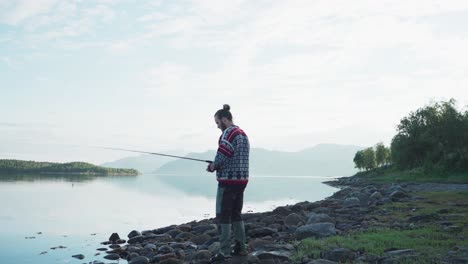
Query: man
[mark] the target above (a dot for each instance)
(232, 173)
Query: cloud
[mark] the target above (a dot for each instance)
(15, 12)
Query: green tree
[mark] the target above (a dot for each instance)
(359, 159)
(380, 152)
(369, 158)
(435, 135)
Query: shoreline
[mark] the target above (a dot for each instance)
(273, 236)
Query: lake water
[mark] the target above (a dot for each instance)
(39, 213)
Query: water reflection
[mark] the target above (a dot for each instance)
(31, 177)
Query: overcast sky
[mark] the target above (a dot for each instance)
(149, 75)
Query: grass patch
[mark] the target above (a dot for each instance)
(421, 175)
(428, 238)
(431, 243)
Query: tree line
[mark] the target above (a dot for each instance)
(434, 136)
(21, 166)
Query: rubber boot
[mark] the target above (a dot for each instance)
(239, 236)
(225, 240)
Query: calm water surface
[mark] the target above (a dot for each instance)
(80, 212)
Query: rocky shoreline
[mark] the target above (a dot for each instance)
(273, 236)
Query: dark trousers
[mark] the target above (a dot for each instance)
(229, 202)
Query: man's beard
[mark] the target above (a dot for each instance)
(223, 126)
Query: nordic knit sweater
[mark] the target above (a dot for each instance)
(232, 158)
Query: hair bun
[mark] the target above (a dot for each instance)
(226, 107)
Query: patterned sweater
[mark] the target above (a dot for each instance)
(232, 158)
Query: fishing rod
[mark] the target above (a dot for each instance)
(158, 154)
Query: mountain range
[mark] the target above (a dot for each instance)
(320, 160)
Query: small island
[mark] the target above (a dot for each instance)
(11, 166)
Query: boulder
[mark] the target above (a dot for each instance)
(293, 219)
(351, 202)
(319, 218)
(317, 230)
(342, 255)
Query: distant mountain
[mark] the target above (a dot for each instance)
(320, 160)
(143, 163)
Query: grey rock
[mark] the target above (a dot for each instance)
(151, 246)
(183, 236)
(376, 196)
(185, 228)
(112, 256)
(261, 232)
(161, 257)
(173, 233)
(165, 249)
(319, 218)
(172, 261)
(293, 219)
(281, 255)
(79, 256)
(202, 257)
(321, 261)
(398, 196)
(163, 230)
(134, 233)
(351, 202)
(114, 237)
(282, 210)
(139, 260)
(200, 240)
(136, 239)
(400, 252)
(203, 228)
(317, 230)
(253, 260)
(340, 255)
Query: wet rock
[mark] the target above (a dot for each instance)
(268, 220)
(253, 260)
(172, 261)
(180, 254)
(183, 236)
(317, 230)
(261, 232)
(139, 260)
(400, 252)
(351, 202)
(202, 257)
(114, 246)
(174, 233)
(204, 228)
(134, 233)
(79, 256)
(293, 219)
(200, 240)
(165, 249)
(112, 256)
(282, 210)
(321, 261)
(162, 230)
(398, 196)
(162, 257)
(136, 239)
(376, 196)
(266, 255)
(114, 237)
(319, 218)
(151, 246)
(340, 255)
(185, 228)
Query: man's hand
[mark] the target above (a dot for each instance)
(210, 168)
